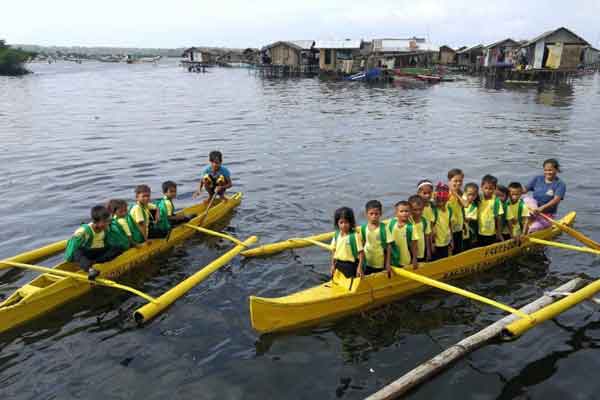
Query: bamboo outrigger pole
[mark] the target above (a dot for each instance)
(572, 232)
(37, 254)
(215, 233)
(151, 310)
(80, 277)
(435, 365)
(565, 246)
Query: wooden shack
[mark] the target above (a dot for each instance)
(447, 55)
(591, 57)
(556, 49)
(402, 52)
(291, 53)
(500, 54)
(470, 58)
(196, 55)
(341, 56)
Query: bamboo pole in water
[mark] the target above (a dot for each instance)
(436, 364)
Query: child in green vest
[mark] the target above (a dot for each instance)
(348, 253)
(489, 213)
(471, 201)
(88, 244)
(119, 231)
(402, 244)
(168, 219)
(422, 228)
(442, 223)
(502, 195)
(374, 237)
(143, 213)
(517, 213)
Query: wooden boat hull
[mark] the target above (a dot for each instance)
(342, 296)
(48, 292)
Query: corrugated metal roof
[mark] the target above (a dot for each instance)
(338, 44)
(303, 44)
(409, 45)
(514, 43)
(469, 49)
(552, 32)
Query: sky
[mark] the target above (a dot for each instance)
(236, 23)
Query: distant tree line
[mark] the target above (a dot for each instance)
(11, 60)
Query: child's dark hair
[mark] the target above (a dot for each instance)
(491, 179)
(115, 205)
(515, 185)
(344, 213)
(215, 156)
(454, 172)
(100, 213)
(168, 185)
(142, 189)
(502, 189)
(417, 200)
(371, 204)
(554, 162)
(472, 185)
(423, 182)
(402, 203)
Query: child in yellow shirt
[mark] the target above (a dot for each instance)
(425, 190)
(442, 224)
(455, 203)
(471, 201)
(402, 243)
(374, 238)
(422, 228)
(348, 252)
(517, 213)
(489, 213)
(502, 195)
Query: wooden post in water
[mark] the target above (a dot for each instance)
(436, 364)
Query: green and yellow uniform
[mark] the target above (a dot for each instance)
(517, 213)
(85, 238)
(347, 246)
(420, 231)
(488, 211)
(470, 221)
(400, 237)
(118, 234)
(140, 214)
(458, 217)
(166, 209)
(443, 232)
(375, 242)
(428, 212)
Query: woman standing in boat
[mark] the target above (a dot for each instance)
(548, 190)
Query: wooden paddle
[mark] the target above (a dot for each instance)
(570, 231)
(80, 277)
(210, 203)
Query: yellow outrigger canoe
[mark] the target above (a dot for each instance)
(48, 292)
(342, 296)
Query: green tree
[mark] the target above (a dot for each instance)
(12, 60)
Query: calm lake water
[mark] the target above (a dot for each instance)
(75, 135)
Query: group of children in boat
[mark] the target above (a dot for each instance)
(118, 226)
(432, 224)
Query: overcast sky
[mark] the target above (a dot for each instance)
(248, 23)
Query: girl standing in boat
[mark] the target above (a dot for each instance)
(548, 190)
(348, 255)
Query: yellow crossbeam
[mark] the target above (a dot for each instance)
(218, 234)
(315, 242)
(574, 233)
(565, 246)
(80, 277)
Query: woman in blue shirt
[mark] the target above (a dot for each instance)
(548, 190)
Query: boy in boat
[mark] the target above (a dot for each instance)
(425, 190)
(422, 228)
(348, 255)
(442, 223)
(489, 213)
(143, 213)
(166, 208)
(88, 245)
(517, 213)
(402, 243)
(374, 236)
(215, 177)
(119, 231)
(471, 201)
(502, 195)
(455, 203)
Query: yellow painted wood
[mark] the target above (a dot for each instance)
(572, 232)
(48, 291)
(314, 242)
(37, 254)
(334, 298)
(565, 246)
(151, 310)
(217, 234)
(80, 277)
(521, 326)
